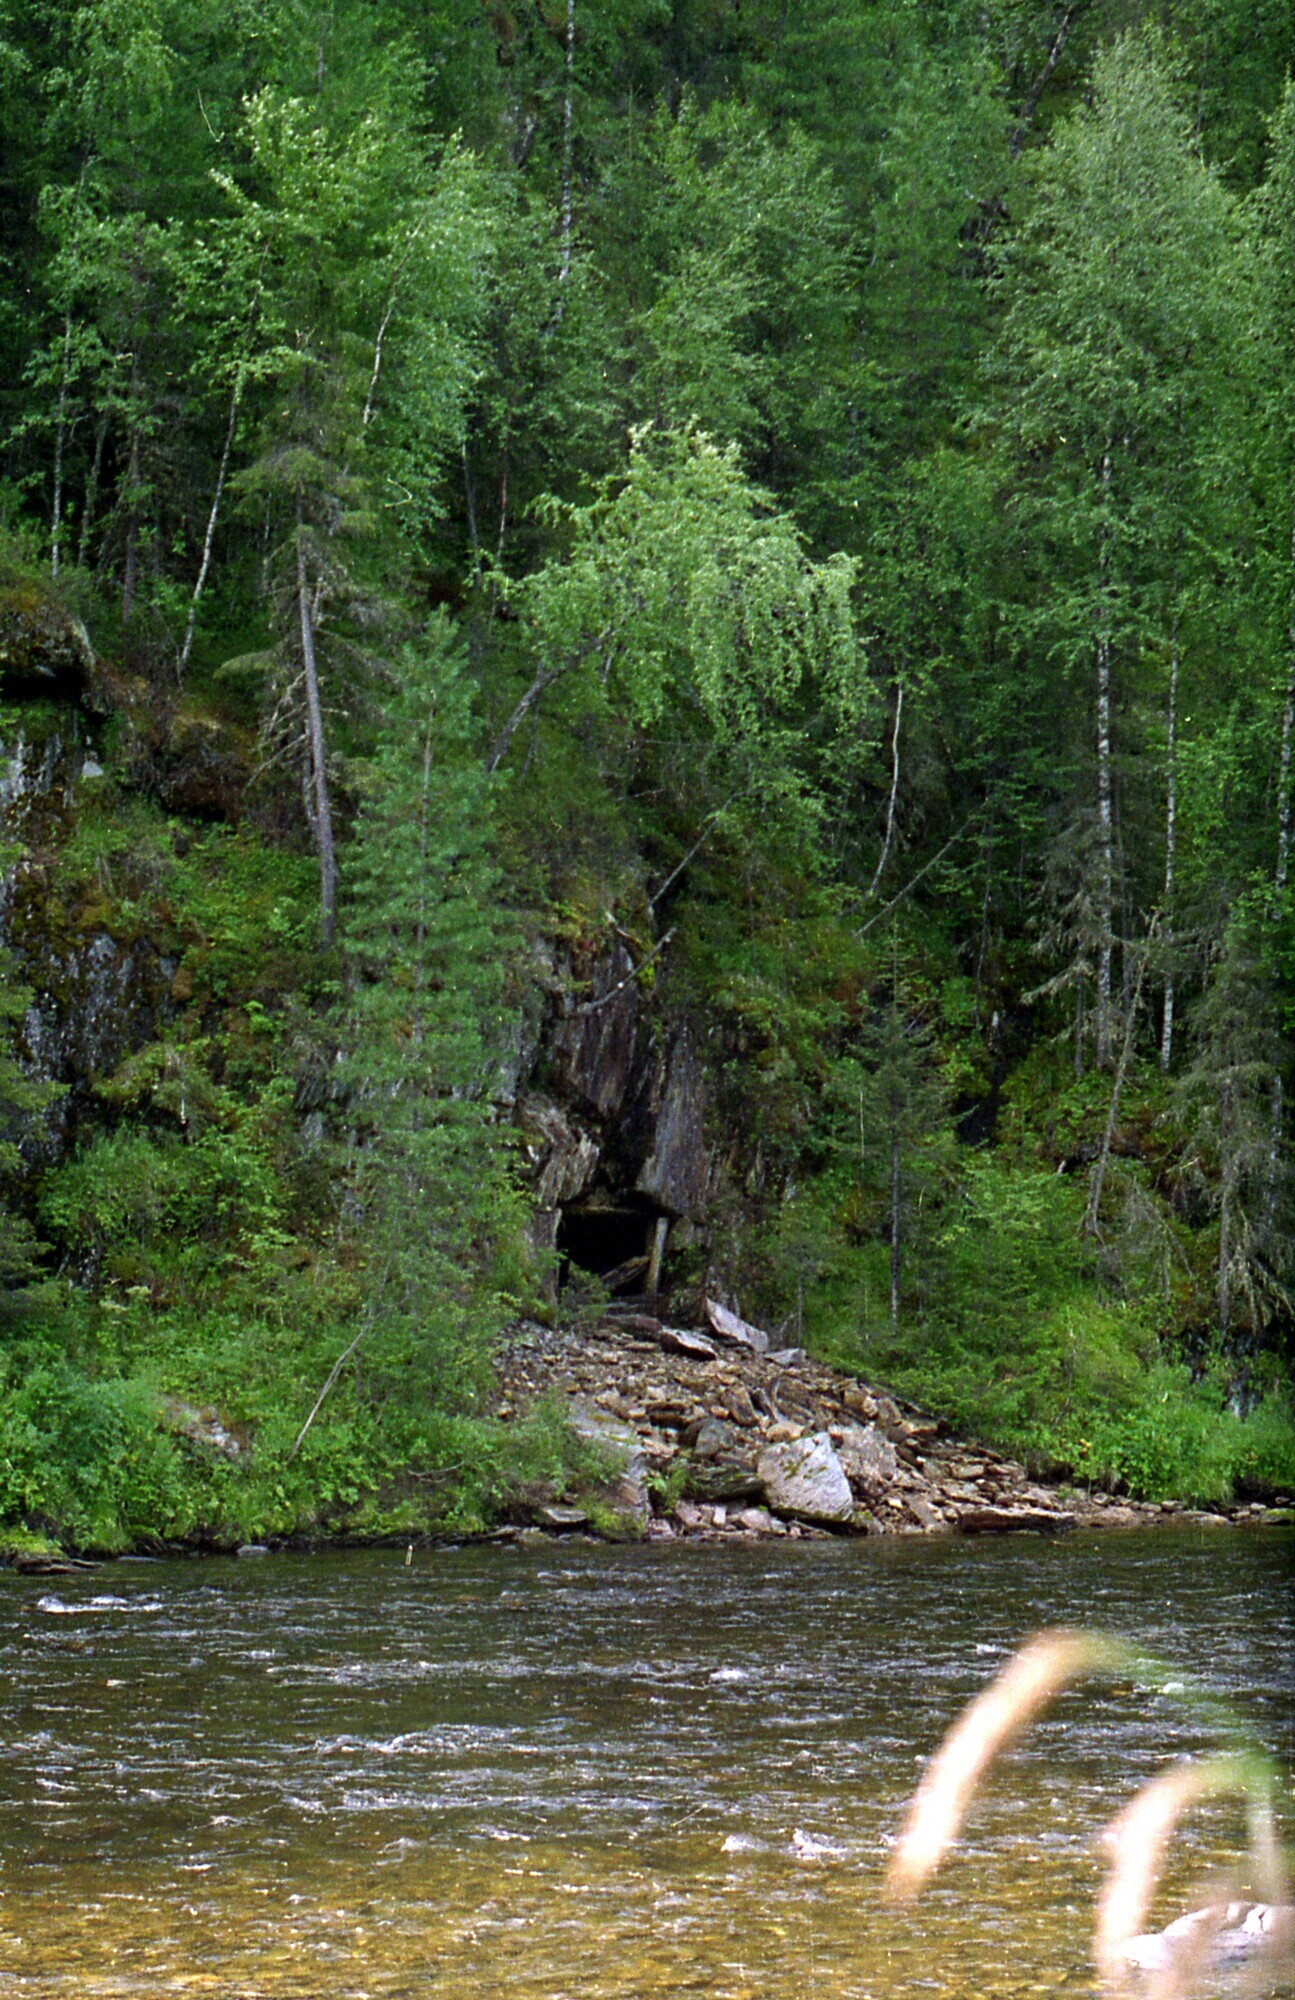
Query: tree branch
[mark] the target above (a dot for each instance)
(605, 999)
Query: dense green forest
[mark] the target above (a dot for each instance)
(778, 517)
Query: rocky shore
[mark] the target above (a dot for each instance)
(712, 1432)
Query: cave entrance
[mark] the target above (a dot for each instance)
(622, 1246)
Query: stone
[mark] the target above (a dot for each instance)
(563, 1158)
(676, 1172)
(868, 1457)
(592, 1050)
(736, 1332)
(926, 1513)
(806, 1478)
(787, 1357)
(626, 1492)
(43, 645)
(723, 1479)
(1011, 1520)
(688, 1514)
(561, 1519)
(201, 1427)
(695, 1345)
(759, 1521)
(739, 1407)
(711, 1437)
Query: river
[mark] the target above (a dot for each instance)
(588, 1771)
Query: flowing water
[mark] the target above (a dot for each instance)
(588, 1771)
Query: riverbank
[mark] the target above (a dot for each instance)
(622, 1427)
(710, 1432)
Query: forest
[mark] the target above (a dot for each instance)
(777, 518)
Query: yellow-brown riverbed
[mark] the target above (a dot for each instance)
(586, 1771)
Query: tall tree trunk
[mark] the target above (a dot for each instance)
(1225, 1218)
(60, 441)
(1171, 839)
(894, 790)
(1093, 1210)
(1105, 801)
(321, 810)
(1288, 733)
(894, 1221)
(568, 141)
(92, 492)
(209, 539)
(130, 562)
(1277, 1104)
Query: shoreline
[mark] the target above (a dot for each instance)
(702, 1434)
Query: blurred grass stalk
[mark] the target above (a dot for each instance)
(1137, 1840)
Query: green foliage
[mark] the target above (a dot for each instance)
(422, 1028)
(852, 448)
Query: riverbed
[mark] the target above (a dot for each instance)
(590, 1771)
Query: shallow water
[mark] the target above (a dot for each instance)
(589, 1771)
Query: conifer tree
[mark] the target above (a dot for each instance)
(422, 1028)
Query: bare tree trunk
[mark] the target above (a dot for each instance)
(209, 539)
(894, 789)
(130, 563)
(894, 1222)
(1043, 78)
(393, 296)
(91, 492)
(1171, 838)
(568, 141)
(321, 810)
(1105, 806)
(1225, 1227)
(470, 495)
(503, 508)
(1277, 1095)
(60, 440)
(1108, 1137)
(1288, 733)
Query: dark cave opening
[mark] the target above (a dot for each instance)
(621, 1246)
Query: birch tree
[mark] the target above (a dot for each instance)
(1119, 324)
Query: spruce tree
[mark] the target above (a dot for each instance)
(422, 1027)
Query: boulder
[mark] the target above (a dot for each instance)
(868, 1457)
(44, 647)
(723, 1479)
(563, 1158)
(925, 1513)
(735, 1332)
(712, 1437)
(806, 1478)
(759, 1521)
(626, 1492)
(695, 1345)
(1010, 1520)
(200, 1427)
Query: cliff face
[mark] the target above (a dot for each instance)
(613, 1115)
(106, 784)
